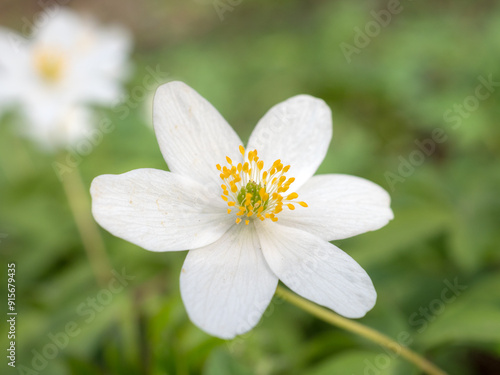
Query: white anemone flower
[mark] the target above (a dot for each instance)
(243, 222)
(67, 63)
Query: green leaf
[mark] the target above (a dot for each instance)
(360, 362)
(221, 362)
(473, 316)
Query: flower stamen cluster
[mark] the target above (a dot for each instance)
(255, 192)
(50, 64)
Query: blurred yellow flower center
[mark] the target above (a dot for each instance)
(50, 64)
(250, 191)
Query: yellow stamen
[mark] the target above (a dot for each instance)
(50, 64)
(255, 191)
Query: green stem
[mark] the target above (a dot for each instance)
(93, 244)
(355, 327)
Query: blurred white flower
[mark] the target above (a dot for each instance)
(67, 64)
(243, 224)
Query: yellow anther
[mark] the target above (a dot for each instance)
(254, 191)
(262, 191)
(283, 188)
(50, 64)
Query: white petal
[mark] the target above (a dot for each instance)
(192, 135)
(13, 49)
(317, 270)
(227, 286)
(62, 30)
(73, 125)
(158, 210)
(297, 131)
(339, 206)
(13, 67)
(100, 63)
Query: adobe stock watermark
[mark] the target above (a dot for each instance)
(49, 8)
(137, 95)
(471, 103)
(453, 116)
(223, 6)
(363, 36)
(86, 312)
(420, 320)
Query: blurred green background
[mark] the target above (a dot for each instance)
(244, 57)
